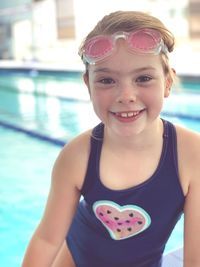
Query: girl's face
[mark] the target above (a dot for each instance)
(127, 90)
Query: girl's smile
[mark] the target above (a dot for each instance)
(128, 116)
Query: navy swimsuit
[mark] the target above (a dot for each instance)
(127, 228)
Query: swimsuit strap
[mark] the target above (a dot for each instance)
(96, 141)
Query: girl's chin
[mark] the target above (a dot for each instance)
(126, 130)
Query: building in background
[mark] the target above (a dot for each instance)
(50, 31)
(10, 13)
(194, 18)
(36, 30)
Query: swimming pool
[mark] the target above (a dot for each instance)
(25, 176)
(51, 106)
(26, 162)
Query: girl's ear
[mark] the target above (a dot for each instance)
(86, 80)
(169, 82)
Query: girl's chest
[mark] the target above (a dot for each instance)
(124, 172)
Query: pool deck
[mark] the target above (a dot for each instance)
(41, 66)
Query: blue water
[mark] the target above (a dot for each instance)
(26, 162)
(25, 176)
(44, 104)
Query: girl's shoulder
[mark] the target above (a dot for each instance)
(187, 139)
(188, 151)
(79, 143)
(72, 160)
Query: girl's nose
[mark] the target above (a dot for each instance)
(127, 94)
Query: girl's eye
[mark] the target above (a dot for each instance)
(143, 79)
(106, 81)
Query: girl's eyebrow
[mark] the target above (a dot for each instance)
(108, 70)
(102, 70)
(144, 69)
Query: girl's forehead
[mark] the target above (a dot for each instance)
(121, 62)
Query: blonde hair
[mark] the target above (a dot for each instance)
(130, 21)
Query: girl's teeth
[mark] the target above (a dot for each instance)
(128, 114)
(124, 115)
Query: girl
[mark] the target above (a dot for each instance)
(137, 173)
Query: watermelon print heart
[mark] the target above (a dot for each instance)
(121, 221)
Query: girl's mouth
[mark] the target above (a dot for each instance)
(127, 115)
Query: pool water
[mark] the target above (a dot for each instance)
(57, 107)
(49, 106)
(26, 165)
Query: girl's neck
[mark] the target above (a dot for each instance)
(143, 141)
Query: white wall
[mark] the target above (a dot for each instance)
(88, 12)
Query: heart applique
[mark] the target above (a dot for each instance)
(121, 221)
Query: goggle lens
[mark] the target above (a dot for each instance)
(144, 41)
(97, 48)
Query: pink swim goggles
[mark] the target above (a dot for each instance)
(144, 41)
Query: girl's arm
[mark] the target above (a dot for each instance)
(67, 179)
(192, 222)
(190, 168)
